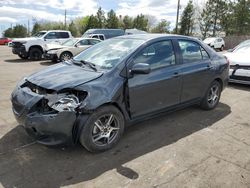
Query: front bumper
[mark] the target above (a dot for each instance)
(49, 128)
(19, 51)
(239, 75)
(49, 56)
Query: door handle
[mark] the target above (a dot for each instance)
(176, 74)
(209, 67)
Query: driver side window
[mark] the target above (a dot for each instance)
(51, 35)
(157, 55)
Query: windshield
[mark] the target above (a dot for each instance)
(70, 42)
(39, 34)
(243, 49)
(109, 53)
(244, 43)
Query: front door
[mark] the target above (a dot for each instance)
(161, 87)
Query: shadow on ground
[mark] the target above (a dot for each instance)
(17, 61)
(39, 166)
(239, 86)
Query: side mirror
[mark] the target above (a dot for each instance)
(141, 68)
(77, 45)
(44, 38)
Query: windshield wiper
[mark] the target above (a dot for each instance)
(91, 65)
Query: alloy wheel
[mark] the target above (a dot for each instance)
(213, 95)
(105, 130)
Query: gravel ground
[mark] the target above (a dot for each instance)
(188, 148)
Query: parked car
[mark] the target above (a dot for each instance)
(103, 34)
(68, 49)
(92, 97)
(239, 45)
(239, 60)
(33, 47)
(5, 41)
(215, 42)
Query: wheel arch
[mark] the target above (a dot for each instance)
(36, 46)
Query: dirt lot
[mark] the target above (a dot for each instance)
(188, 148)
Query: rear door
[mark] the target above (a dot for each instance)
(196, 70)
(161, 87)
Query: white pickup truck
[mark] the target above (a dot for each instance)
(33, 47)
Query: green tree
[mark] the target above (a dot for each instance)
(127, 22)
(112, 20)
(242, 17)
(92, 23)
(162, 27)
(140, 22)
(101, 20)
(73, 29)
(187, 20)
(36, 28)
(8, 32)
(212, 16)
(18, 31)
(81, 24)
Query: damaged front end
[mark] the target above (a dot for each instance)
(47, 115)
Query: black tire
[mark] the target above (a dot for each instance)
(222, 48)
(211, 99)
(23, 56)
(35, 54)
(65, 56)
(93, 138)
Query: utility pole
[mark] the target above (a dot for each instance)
(65, 18)
(28, 28)
(177, 17)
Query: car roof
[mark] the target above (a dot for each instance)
(151, 36)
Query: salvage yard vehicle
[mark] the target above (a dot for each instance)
(68, 49)
(33, 47)
(92, 97)
(215, 42)
(5, 41)
(103, 34)
(239, 60)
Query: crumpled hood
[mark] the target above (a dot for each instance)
(238, 58)
(62, 76)
(51, 46)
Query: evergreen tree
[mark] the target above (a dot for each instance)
(127, 22)
(100, 15)
(8, 33)
(36, 28)
(162, 27)
(140, 22)
(242, 17)
(73, 29)
(187, 20)
(112, 20)
(92, 23)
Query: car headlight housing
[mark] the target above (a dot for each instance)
(66, 103)
(52, 52)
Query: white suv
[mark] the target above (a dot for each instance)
(215, 42)
(33, 47)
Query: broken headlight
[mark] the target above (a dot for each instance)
(66, 103)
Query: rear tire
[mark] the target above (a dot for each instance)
(103, 129)
(35, 54)
(212, 96)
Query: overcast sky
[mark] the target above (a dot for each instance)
(20, 11)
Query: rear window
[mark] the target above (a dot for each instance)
(63, 35)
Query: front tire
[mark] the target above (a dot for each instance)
(212, 96)
(23, 56)
(65, 56)
(103, 129)
(35, 54)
